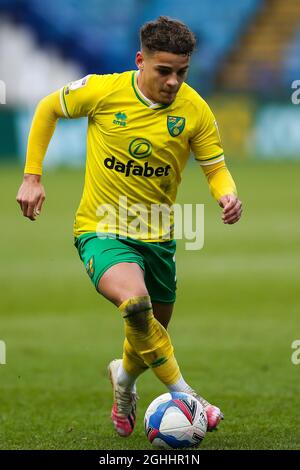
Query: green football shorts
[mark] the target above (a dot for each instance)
(157, 259)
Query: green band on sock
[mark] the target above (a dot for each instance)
(158, 362)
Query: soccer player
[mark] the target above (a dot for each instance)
(142, 126)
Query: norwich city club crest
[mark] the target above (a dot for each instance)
(90, 267)
(175, 125)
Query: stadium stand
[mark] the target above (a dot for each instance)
(258, 63)
(249, 45)
(103, 38)
(20, 55)
(291, 60)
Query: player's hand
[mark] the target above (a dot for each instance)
(31, 196)
(232, 208)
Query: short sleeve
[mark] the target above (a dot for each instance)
(206, 143)
(82, 97)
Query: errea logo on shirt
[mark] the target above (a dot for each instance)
(120, 119)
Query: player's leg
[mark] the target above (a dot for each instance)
(116, 268)
(147, 343)
(132, 365)
(116, 284)
(163, 312)
(123, 284)
(160, 269)
(167, 371)
(122, 281)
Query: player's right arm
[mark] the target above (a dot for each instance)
(31, 194)
(78, 99)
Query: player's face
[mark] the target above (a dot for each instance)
(161, 75)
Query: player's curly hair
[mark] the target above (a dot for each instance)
(167, 35)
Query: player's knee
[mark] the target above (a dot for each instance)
(128, 295)
(137, 311)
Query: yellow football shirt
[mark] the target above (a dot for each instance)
(136, 152)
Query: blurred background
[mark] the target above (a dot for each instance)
(247, 58)
(237, 309)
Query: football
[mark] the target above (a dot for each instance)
(175, 421)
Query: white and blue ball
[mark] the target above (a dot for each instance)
(175, 421)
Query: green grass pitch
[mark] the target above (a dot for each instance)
(236, 317)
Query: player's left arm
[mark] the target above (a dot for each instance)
(208, 151)
(223, 188)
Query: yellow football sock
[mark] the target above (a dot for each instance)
(132, 362)
(149, 339)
